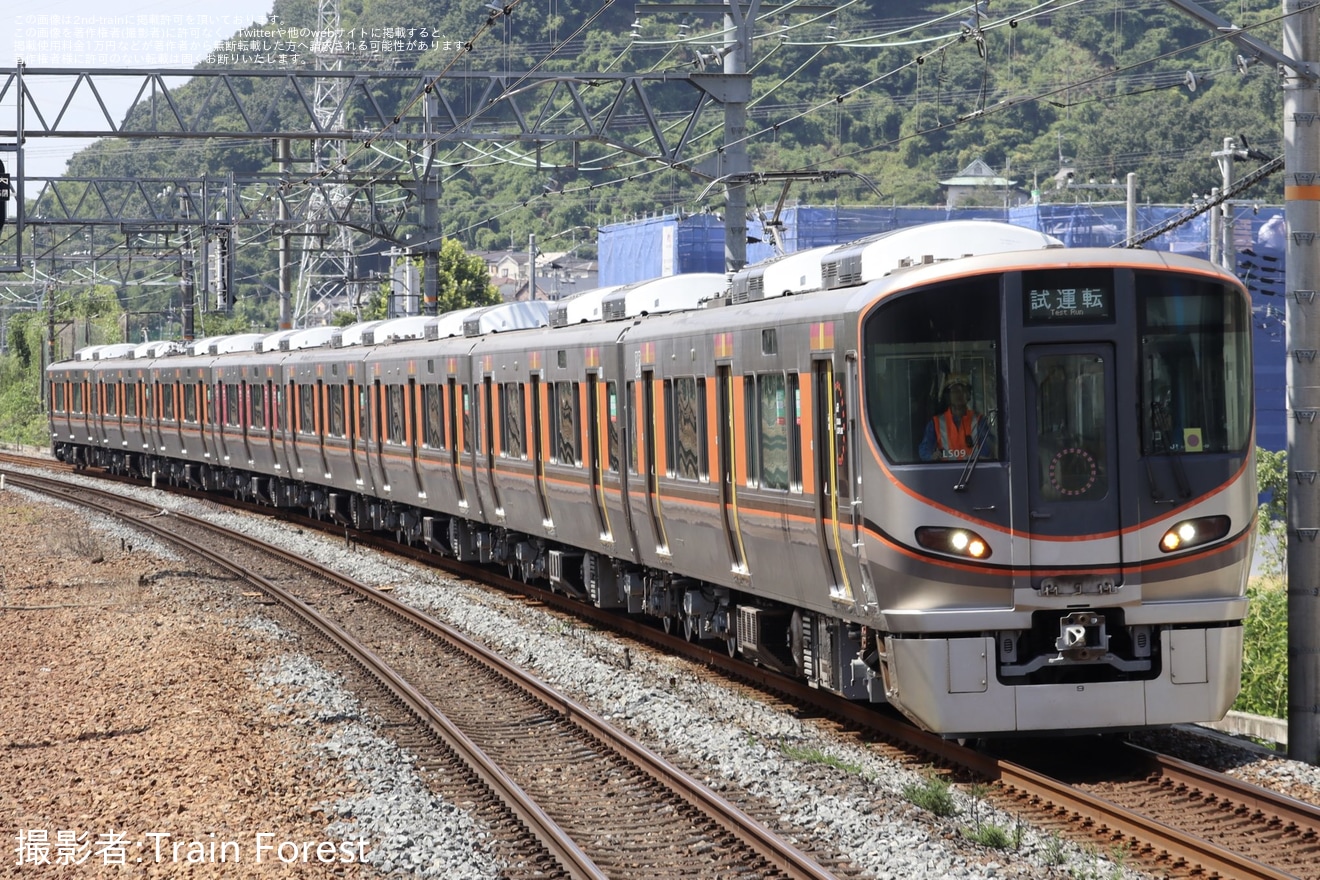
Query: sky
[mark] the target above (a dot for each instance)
(100, 34)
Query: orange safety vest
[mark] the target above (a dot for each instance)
(954, 439)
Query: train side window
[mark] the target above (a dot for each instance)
(565, 409)
(130, 399)
(190, 403)
(612, 417)
(686, 427)
(514, 438)
(433, 432)
(111, 400)
(752, 425)
(256, 406)
(233, 404)
(306, 409)
(794, 394)
(772, 452)
(635, 432)
(57, 397)
(394, 414)
(364, 412)
(338, 428)
(167, 403)
(671, 447)
(467, 418)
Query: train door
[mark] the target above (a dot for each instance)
(834, 493)
(414, 421)
(98, 409)
(651, 461)
(595, 451)
(1072, 448)
(728, 471)
(454, 398)
(292, 413)
(352, 432)
(245, 419)
(538, 431)
(486, 412)
(378, 430)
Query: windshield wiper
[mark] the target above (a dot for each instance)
(984, 429)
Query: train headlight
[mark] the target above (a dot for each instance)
(1191, 533)
(959, 542)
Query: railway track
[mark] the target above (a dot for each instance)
(588, 800)
(1169, 817)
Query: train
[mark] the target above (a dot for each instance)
(1006, 486)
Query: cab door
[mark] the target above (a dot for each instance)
(1072, 451)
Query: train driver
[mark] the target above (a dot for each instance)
(952, 435)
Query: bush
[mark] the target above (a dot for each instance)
(1265, 652)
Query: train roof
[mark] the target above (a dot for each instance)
(507, 316)
(105, 352)
(450, 323)
(866, 259)
(309, 337)
(580, 307)
(672, 293)
(395, 329)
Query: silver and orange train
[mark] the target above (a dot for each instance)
(742, 459)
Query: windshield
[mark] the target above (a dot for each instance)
(1196, 366)
(933, 373)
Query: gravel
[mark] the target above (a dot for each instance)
(831, 789)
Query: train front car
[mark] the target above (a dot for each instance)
(1061, 490)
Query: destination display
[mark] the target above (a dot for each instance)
(1046, 305)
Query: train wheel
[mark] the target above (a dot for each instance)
(731, 645)
(668, 623)
(689, 628)
(512, 569)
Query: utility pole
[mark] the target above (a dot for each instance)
(286, 247)
(1301, 137)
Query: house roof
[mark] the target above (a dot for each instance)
(977, 174)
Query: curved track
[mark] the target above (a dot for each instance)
(1171, 817)
(601, 803)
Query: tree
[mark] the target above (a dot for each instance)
(463, 279)
(1272, 519)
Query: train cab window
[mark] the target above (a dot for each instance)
(513, 436)
(564, 415)
(1196, 386)
(256, 407)
(685, 410)
(306, 409)
(433, 422)
(394, 414)
(915, 349)
(612, 417)
(57, 397)
(190, 403)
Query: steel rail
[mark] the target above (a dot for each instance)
(776, 851)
